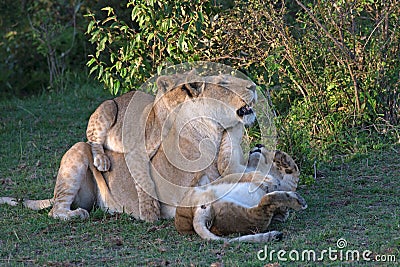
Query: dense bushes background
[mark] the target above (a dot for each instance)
(40, 42)
(330, 68)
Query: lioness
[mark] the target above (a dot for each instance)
(243, 203)
(198, 115)
(105, 131)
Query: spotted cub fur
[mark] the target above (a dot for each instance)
(243, 203)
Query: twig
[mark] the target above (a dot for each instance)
(15, 233)
(315, 170)
(341, 47)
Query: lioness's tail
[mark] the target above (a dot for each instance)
(38, 204)
(30, 204)
(9, 200)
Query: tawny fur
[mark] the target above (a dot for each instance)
(168, 127)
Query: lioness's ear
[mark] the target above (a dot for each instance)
(193, 84)
(164, 83)
(193, 89)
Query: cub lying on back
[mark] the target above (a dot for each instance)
(243, 203)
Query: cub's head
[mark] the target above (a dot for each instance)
(223, 97)
(275, 163)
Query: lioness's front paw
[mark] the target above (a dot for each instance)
(66, 215)
(102, 162)
(149, 210)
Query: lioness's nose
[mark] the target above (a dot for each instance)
(245, 110)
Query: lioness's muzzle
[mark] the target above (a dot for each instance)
(245, 110)
(257, 148)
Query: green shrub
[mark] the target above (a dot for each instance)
(40, 43)
(160, 33)
(330, 68)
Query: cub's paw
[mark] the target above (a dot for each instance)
(79, 213)
(102, 162)
(149, 210)
(269, 236)
(259, 238)
(297, 202)
(285, 164)
(276, 235)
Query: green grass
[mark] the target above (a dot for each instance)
(356, 198)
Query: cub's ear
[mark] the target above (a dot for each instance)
(251, 86)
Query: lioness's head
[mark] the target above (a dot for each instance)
(275, 163)
(220, 96)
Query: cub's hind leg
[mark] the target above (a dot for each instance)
(289, 173)
(149, 206)
(74, 185)
(288, 169)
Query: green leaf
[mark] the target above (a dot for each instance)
(183, 11)
(182, 45)
(93, 69)
(201, 17)
(102, 44)
(91, 61)
(161, 37)
(95, 35)
(117, 86)
(118, 65)
(150, 37)
(112, 57)
(109, 10)
(101, 69)
(90, 26)
(114, 18)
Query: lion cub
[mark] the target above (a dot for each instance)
(243, 203)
